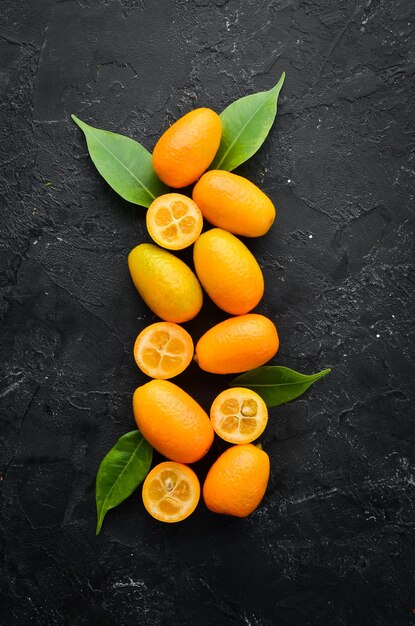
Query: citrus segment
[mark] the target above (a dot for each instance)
(174, 221)
(239, 415)
(163, 350)
(171, 492)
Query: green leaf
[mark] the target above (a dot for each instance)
(245, 126)
(124, 163)
(276, 384)
(121, 471)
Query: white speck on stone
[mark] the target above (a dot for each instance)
(130, 583)
(289, 180)
(310, 236)
(378, 335)
(35, 242)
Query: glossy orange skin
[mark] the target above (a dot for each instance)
(187, 148)
(166, 284)
(238, 344)
(234, 203)
(237, 481)
(228, 271)
(172, 421)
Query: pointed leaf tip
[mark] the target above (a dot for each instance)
(120, 472)
(77, 121)
(245, 126)
(124, 163)
(277, 384)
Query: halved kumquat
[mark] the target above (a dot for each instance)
(174, 221)
(239, 415)
(171, 492)
(163, 350)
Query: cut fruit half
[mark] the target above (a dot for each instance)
(171, 492)
(239, 415)
(163, 350)
(174, 221)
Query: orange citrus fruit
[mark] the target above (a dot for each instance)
(171, 492)
(238, 344)
(172, 421)
(187, 148)
(174, 221)
(239, 415)
(234, 203)
(163, 350)
(228, 271)
(237, 481)
(166, 284)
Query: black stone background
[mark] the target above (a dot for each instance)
(333, 542)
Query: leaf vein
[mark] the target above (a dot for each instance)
(124, 166)
(265, 101)
(118, 479)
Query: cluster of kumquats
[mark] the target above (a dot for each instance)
(170, 419)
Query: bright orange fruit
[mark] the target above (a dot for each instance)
(239, 415)
(238, 344)
(228, 271)
(237, 481)
(172, 421)
(234, 203)
(166, 284)
(171, 492)
(163, 350)
(174, 221)
(187, 148)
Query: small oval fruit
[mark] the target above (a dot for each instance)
(163, 350)
(171, 492)
(239, 415)
(237, 344)
(187, 148)
(166, 284)
(174, 221)
(234, 203)
(172, 421)
(237, 481)
(228, 271)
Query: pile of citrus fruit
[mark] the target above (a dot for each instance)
(168, 417)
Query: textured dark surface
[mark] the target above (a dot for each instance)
(333, 542)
